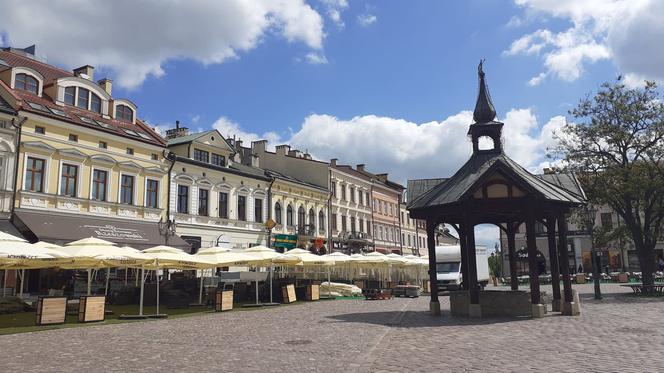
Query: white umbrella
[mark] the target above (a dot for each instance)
(263, 256)
(223, 257)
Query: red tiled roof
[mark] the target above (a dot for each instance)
(73, 114)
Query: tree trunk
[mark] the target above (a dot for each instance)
(646, 255)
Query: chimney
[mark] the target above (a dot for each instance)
(238, 144)
(283, 149)
(333, 162)
(85, 72)
(360, 167)
(548, 171)
(255, 161)
(259, 146)
(106, 84)
(382, 177)
(295, 153)
(177, 131)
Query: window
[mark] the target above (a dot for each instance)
(361, 224)
(26, 82)
(70, 96)
(40, 130)
(606, 219)
(334, 222)
(130, 151)
(73, 137)
(321, 220)
(34, 175)
(352, 194)
(359, 197)
(183, 199)
(333, 187)
(403, 238)
(343, 223)
(368, 228)
(277, 213)
(352, 224)
(300, 217)
(312, 218)
(152, 194)
(343, 193)
(103, 145)
(203, 202)
(289, 216)
(83, 98)
(127, 189)
(223, 205)
(68, 180)
(154, 157)
(241, 208)
(366, 199)
(95, 103)
(99, 182)
(218, 160)
(201, 155)
(258, 210)
(124, 113)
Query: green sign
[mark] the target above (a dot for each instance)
(286, 241)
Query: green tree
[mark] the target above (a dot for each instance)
(616, 147)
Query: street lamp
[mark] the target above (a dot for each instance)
(595, 255)
(167, 228)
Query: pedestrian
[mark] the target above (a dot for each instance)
(660, 263)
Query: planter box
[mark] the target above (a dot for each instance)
(51, 310)
(288, 293)
(223, 300)
(312, 292)
(92, 308)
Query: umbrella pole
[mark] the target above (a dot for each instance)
(22, 275)
(108, 275)
(256, 280)
(136, 276)
(157, 275)
(140, 309)
(271, 272)
(200, 293)
(329, 283)
(4, 283)
(126, 270)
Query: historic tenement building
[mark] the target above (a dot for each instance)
(87, 165)
(214, 198)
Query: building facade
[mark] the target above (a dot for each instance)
(87, 166)
(8, 137)
(386, 198)
(413, 234)
(351, 217)
(213, 197)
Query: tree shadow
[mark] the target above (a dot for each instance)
(418, 319)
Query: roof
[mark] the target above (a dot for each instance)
(416, 188)
(478, 167)
(292, 179)
(188, 138)
(235, 168)
(45, 105)
(5, 107)
(565, 180)
(351, 171)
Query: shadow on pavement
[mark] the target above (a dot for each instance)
(417, 319)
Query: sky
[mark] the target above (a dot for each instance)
(390, 84)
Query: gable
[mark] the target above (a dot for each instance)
(213, 139)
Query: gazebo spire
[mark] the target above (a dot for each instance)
(484, 110)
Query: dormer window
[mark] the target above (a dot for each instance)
(124, 113)
(70, 96)
(27, 83)
(95, 103)
(83, 95)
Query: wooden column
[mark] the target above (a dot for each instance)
(564, 266)
(472, 264)
(553, 259)
(431, 245)
(511, 254)
(464, 256)
(532, 258)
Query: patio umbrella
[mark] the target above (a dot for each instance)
(16, 253)
(340, 259)
(263, 256)
(171, 257)
(223, 257)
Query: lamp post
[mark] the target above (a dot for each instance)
(167, 229)
(595, 255)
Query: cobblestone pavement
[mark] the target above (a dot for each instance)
(617, 334)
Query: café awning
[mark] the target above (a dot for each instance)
(65, 228)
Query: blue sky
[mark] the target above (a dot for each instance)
(386, 83)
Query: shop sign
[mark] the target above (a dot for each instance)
(286, 241)
(109, 231)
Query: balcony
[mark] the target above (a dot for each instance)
(306, 230)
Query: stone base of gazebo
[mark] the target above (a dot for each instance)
(496, 303)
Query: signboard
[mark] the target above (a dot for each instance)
(110, 232)
(269, 224)
(285, 241)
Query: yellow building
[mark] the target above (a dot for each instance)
(87, 166)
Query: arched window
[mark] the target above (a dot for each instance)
(124, 113)
(289, 216)
(95, 103)
(27, 83)
(312, 217)
(277, 212)
(321, 220)
(300, 217)
(83, 98)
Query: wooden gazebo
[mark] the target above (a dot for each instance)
(491, 188)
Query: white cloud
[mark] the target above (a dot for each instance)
(334, 8)
(315, 58)
(628, 32)
(537, 80)
(228, 129)
(487, 235)
(366, 20)
(135, 39)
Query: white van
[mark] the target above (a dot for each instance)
(448, 266)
